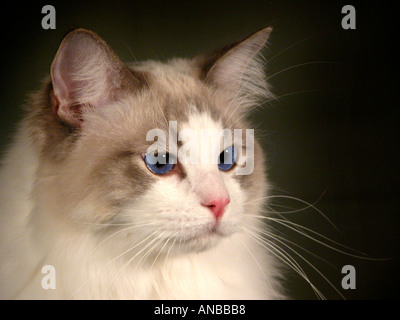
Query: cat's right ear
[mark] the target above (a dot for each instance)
(85, 74)
(238, 69)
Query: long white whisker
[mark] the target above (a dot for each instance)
(308, 204)
(284, 95)
(159, 252)
(256, 261)
(111, 261)
(310, 264)
(135, 246)
(303, 64)
(282, 255)
(122, 269)
(150, 250)
(156, 239)
(293, 243)
(294, 226)
(286, 222)
(289, 260)
(285, 258)
(169, 250)
(291, 46)
(131, 227)
(283, 206)
(298, 269)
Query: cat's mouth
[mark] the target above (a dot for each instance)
(214, 231)
(201, 241)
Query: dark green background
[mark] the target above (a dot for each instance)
(332, 136)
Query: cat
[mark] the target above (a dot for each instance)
(80, 195)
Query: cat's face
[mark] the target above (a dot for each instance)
(98, 165)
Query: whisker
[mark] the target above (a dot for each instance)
(282, 206)
(149, 251)
(294, 243)
(308, 204)
(111, 261)
(301, 91)
(125, 266)
(301, 65)
(291, 46)
(283, 255)
(156, 240)
(310, 264)
(169, 250)
(286, 259)
(119, 273)
(131, 227)
(293, 210)
(285, 222)
(294, 226)
(251, 109)
(301, 273)
(159, 252)
(255, 259)
(109, 224)
(293, 263)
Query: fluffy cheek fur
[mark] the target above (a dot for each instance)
(86, 203)
(176, 221)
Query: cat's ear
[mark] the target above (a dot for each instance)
(85, 73)
(239, 68)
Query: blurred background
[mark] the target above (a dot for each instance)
(331, 136)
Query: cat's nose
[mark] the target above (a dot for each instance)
(217, 206)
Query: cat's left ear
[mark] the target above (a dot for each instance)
(85, 74)
(238, 69)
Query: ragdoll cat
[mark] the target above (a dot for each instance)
(82, 195)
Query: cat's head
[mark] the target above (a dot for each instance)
(102, 125)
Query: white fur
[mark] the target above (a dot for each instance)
(88, 265)
(162, 244)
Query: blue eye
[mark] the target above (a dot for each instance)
(227, 159)
(159, 163)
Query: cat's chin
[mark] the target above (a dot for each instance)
(200, 243)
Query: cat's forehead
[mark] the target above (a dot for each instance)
(199, 121)
(129, 123)
(176, 93)
(172, 94)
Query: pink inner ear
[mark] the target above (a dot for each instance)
(81, 73)
(55, 104)
(69, 114)
(65, 109)
(59, 85)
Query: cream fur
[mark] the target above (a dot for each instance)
(32, 237)
(111, 228)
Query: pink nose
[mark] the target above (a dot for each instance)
(217, 206)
